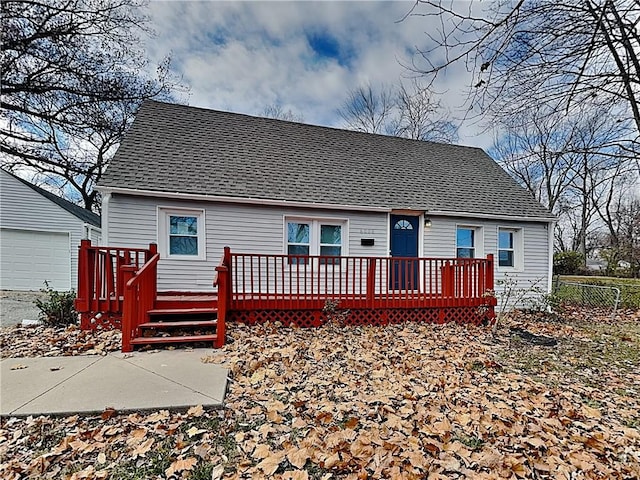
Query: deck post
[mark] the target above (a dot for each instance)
(448, 279)
(82, 299)
(371, 282)
(153, 249)
(129, 308)
(223, 302)
(229, 286)
(490, 272)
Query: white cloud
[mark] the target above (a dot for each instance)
(243, 56)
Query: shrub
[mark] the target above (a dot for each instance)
(567, 263)
(57, 309)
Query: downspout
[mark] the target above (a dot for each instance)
(550, 226)
(106, 199)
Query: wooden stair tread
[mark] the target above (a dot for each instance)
(185, 338)
(182, 311)
(185, 323)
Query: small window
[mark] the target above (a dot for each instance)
(466, 242)
(298, 241)
(403, 225)
(506, 247)
(330, 242)
(181, 234)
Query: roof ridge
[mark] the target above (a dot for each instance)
(312, 125)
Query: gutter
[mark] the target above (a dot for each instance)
(490, 216)
(250, 201)
(325, 206)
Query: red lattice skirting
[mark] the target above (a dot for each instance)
(315, 318)
(100, 321)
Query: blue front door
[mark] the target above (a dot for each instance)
(403, 273)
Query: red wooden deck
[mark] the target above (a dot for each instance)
(117, 288)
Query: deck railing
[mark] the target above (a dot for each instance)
(101, 278)
(140, 288)
(307, 282)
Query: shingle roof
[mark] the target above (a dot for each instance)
(188, 150)
(83, 214)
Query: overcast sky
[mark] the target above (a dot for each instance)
(304, 56)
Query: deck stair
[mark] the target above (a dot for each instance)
(178, 325)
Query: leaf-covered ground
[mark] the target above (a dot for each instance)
(404, 401)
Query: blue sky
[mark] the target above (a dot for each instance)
(304, 56)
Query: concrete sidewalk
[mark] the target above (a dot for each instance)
(126, 382)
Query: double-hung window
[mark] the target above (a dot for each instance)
(466, 242)
(181, 233)
(510, 248)
(298, 241)
(330, 242)
(325, 237)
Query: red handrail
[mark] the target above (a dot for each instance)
(139, 296)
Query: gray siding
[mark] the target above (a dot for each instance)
(23, 208)
(132, 222)
(440, 241)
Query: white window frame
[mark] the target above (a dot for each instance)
(164, 214)
(478, 239)
(518, 249)
(314, 234)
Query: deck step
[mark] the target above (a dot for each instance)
(185, 323)
(183, 311)
(181, 339)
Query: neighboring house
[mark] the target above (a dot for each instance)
(196, 180)
(39, 236)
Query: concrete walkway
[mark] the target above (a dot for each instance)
(126, 382)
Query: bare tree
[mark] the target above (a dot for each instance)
(73, 75)
(402, 112)
(523, 54)
(567, 163)
(535, 148)
(279, 113)
(367, 109)
(619, 210)
(421, 117)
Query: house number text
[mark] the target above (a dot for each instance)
(366, 231)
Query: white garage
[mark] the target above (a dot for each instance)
(39, 236)
(29, 258)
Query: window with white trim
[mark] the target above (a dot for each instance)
(324, 237)
(466, 242)
(181, 234)
(510, 248)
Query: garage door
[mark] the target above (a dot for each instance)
(28, 258)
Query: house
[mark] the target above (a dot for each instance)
(194, 181)
(39, 236)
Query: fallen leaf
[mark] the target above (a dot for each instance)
(270, 464)
(196, 411)
(181, 465)
(217, 472)
(143, 448)
(298, 457)
(108, 413)
(193, 431)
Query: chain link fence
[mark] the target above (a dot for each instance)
(598, 296)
